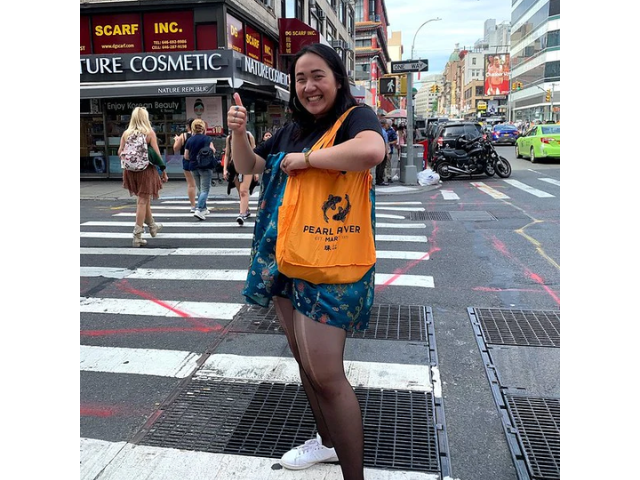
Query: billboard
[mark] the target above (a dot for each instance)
(496, 74)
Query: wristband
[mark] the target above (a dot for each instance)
(306, 158)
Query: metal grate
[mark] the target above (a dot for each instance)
(537, 421)
(267, 419)
(534, 328)
(387, 322)
(438, 216)
(472, 216)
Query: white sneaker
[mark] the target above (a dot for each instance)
(307, 455)
(200, 214)
(193, 209)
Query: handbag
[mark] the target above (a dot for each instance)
(325, 232)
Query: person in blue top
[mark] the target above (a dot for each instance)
(202, 177)
(314, 317)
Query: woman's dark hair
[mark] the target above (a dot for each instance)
(344, 98)
(189, 122)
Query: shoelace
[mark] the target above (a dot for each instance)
(310, 445)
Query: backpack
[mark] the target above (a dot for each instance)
(135, 154)
(205, 158)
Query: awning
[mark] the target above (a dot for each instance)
(282, 94)
(153, 88)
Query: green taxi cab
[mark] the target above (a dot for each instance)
(542, 141)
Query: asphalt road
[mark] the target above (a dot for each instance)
(468, 245)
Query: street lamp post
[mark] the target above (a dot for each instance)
(410, 122)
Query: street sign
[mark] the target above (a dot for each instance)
(410, 66)
(388, 85)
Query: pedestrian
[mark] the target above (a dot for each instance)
(243, 183)
(314, 317)
(267, 135)
(201, 176)
(179, 143)
(393, 142)
(380, 168)
(144, 184)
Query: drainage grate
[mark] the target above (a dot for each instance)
(472, 216)
(267, 419)
(387, 322)
(537, 421)
(439, 216)
(534, 328)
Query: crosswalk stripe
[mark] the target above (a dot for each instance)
(229, 224)
(139, 361)
(449, 195)
(528, 189)
(161, 308)
(255, 202)
(123, 461)
(552, 181)
(236, 236)
(401, 255)
(234, 215)
(392, 376)
(483, 187)
(423, 281)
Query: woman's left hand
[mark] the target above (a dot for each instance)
(165, 177)
(292, 162)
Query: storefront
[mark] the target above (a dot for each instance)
(158, 65)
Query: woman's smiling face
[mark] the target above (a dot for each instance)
(316, 85)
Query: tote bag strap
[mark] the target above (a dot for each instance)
(330, 135)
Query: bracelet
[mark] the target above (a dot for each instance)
(306, 158)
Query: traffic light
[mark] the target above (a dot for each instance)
(433, 88)
(403, 86)
(548, 96)
(515, 86)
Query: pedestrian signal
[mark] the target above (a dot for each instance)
(548, 96)
(387, 85)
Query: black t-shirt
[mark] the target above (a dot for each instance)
(194, 145)
(185, 137)
(360, 119)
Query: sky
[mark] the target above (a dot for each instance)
(462, 22)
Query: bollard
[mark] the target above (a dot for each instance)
(409, 165)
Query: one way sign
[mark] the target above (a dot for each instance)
(410, 66)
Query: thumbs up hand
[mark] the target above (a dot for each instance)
(237, 115)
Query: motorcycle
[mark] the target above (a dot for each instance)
(473, 157)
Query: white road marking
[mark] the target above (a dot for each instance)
(402, 255)
(406, 209)
(161, 308)
(449, 195)
(483, 187)
(104, 460)
(138, 361)
(390, 376)
(528, 189)
(236, 236)
(228, 224)
(423, 281)
(552, 181)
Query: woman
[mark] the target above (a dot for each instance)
(144, 184)
(179, 143)
(315, 318)
(202, 176)
(243, 183)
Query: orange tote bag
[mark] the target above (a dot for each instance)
(325, 233)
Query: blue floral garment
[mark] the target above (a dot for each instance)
(347, 306)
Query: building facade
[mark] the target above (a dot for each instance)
(185, 60)
(535, 60)
(372, 51)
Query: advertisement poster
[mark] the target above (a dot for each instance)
(208, 109)
(497, 74)
(168, 31)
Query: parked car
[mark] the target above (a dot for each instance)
(504, 134)
(427, 136)
(542, 141)
(447, 134)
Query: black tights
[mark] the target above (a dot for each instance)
(319, 349)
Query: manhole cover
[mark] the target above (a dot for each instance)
(267, 419)
(533, 328)
(387, 322)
